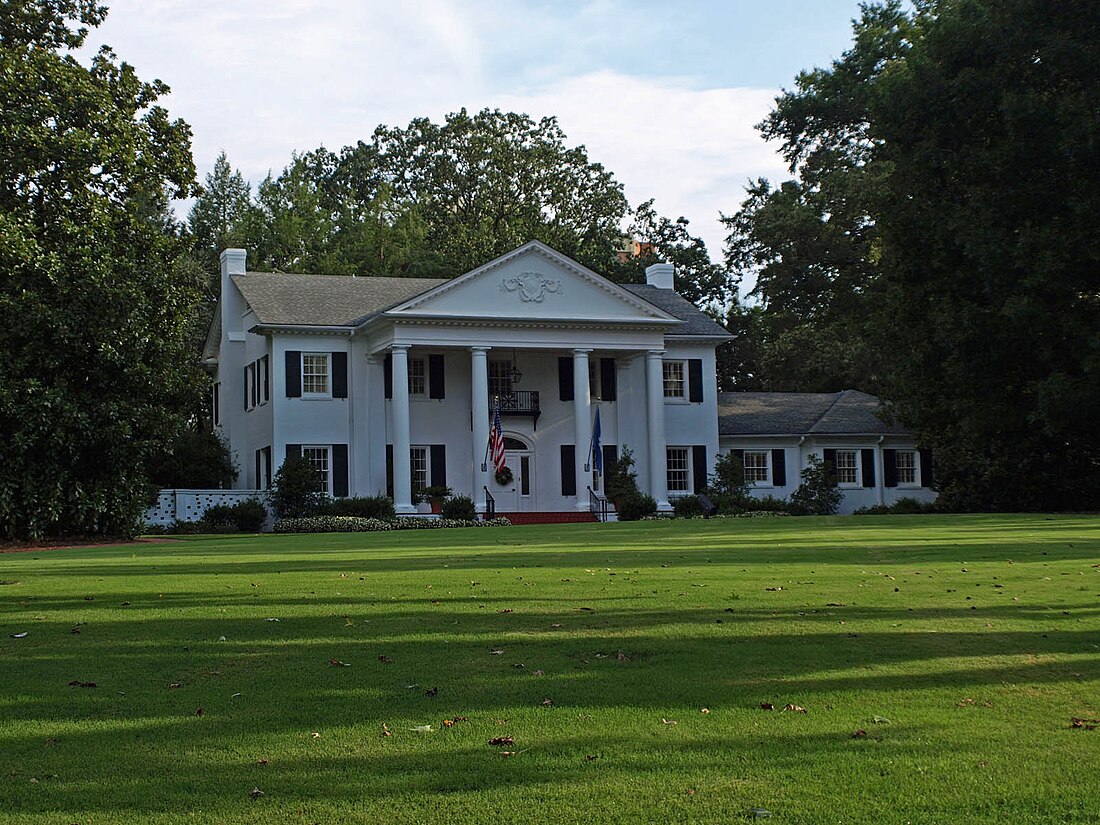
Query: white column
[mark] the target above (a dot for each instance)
(374, 430)
(479, 412)
(402, 471)
(582, 425)
(880, 470)
(655, 415)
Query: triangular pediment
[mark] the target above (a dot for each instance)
(533, 282)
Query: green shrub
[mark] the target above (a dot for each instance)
(294, 491)
(635, 506)
(380, 507)
(767, 504)
(903, 506)
(620, 480)
(729, 479)
(249, 515)
(818, 494)
(354, 524)
(220, 518)
(459, 508)
(687, 507)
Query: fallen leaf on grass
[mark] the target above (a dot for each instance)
(795, 708)
(78, 683)
(964, 703)
(759, 813)
(315, 735)
(255, 793)
(835, 604)
(200, 711)
(547, 702)
(386, 660)
(75, 631)
(423, 729)
(500, 741)
(704, 710)
(338, 663)
(496, 652)
(263, 761)
(22, 635)
(175, 684)
(879, 720)
(669, 722)
(537, 673)
(859, 734)
(386, 730)
(767, 706)
(555, 625)
(773, 589)
(622, 657)
(432, 691)
(514, 753)
(591, 757)
(1085, 724)
(507, 610)
(272, 619)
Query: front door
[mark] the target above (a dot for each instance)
(518, 496)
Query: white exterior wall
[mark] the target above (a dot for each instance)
(797, 457)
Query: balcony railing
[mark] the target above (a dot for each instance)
(521, 402)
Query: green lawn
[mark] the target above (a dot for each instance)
(963, 646)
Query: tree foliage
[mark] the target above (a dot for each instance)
(93, 311)
(938, 243)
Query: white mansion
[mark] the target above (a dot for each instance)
(388, 385)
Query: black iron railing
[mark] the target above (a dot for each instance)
(490, 504)
(521, 402)
(598, 505)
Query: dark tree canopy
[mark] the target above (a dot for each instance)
(93, 312)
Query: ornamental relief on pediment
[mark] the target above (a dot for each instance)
(531, 287)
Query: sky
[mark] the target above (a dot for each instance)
(666, 95)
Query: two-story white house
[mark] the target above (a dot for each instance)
(388, 385)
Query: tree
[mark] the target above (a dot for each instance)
(93, 313)
(990, 217)
(817, 494)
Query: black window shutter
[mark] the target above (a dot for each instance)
(741, 457)
(608, 390)
(293, 374)
(267, 377)
(387, 375)
(695, 379)
(255, 382)
(267, 467)
(340, 470)
(246, 386)
(867, 459)
(830, 459)
(565, 381)
(926, 478)
(389, 470)
(436, 381)
(779, 467)
(699, 467)
(258, 485)
(293, 450)
(568, 469)
(890, 468)
(339, 375)
(438, 463)
(610, 456)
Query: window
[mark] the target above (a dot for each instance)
(318, 457)
(907, 467)
(675, 385)
(315, 373)
(500, 378)
(418, 463)
(679, 469)
(756, 466)
(418, 378)
(846, 468)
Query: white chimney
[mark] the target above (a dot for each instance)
(232, 302)
(662, 276)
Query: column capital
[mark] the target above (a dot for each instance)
(480, 350)
(581, 350)
(400, 347)
(654, 353)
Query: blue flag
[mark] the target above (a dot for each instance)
(597, 451)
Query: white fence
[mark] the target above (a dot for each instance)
(189, 505)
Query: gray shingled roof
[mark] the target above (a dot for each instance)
(850, 412)
(696, 322)
(325, 300)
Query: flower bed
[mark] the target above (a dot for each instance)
(357, 524)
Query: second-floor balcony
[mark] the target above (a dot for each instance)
(520, 402)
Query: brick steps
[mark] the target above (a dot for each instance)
(566, 517)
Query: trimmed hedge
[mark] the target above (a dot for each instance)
(354, 524)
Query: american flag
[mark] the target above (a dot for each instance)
(496, 441)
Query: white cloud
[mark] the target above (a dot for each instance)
(263, 78)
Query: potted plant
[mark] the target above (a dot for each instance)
(435, 495)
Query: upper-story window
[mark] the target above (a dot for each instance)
(500, 378)
(418, 378)
(675, 383)
(315, 373)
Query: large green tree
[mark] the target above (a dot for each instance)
(93, 311)
(990, 219)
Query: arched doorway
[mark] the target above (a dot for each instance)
(518, 496)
